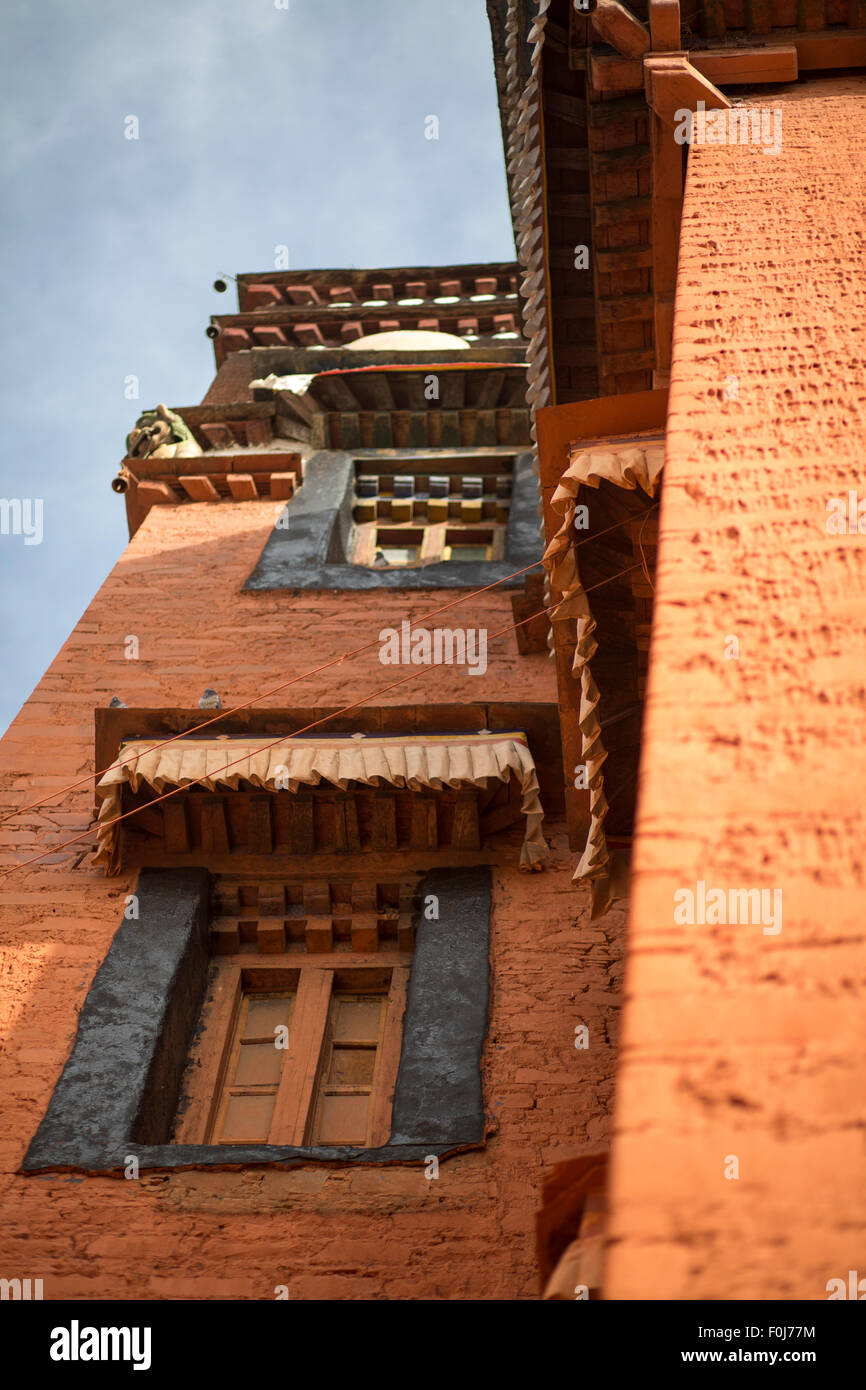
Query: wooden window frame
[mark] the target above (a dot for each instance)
(433, 540)
(314, 982)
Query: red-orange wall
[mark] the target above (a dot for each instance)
(739, 1044)
(325, 1232)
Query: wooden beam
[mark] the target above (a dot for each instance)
(377, 387)
(384, 821)
(388, 1061)
(423, 834)
(622, 210)
(620, 161)
(334, 392)
(464, 833)
(604, 113)
(302, 1059)
(271, 935)
(365, 931)
(199, 487)
(225, 938)
(301, 833)
(319, 934)
(616, 25)
(271, 900)
(732, 67)
(811, 15)
(242, 487)
(664, 18)
(759, 16)
(259, 836)
(194, 1126)
(610, 73)
(499, 818)
(153, 494)
(624, 258)
(667, 209)
(624, 308)
(176, 825)
(282, 486)
(317, 897)
(672, 85)
(714, 22)
(609, 417)
(405, 932)
(569, 205)
(566, 108)
(836, 48)
(567, 157)
(214, 826)
(347, 836)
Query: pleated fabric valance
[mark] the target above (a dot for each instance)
(411, 763)
(630, 468)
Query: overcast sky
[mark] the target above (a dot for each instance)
(258, 126)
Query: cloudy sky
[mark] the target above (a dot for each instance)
(258, 126)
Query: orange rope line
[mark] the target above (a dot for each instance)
(283, 737)
(236, 709)
(305, 675)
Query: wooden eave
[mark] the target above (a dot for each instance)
(610, 83)
(620, 603)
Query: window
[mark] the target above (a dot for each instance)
(295, 1053)
(334, 538)
(397, 555)
(382, 546)
(430, 517)
(247, 1100)
(470, 545)
(377, 1068)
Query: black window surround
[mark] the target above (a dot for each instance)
(119, 1090)
(311, 551)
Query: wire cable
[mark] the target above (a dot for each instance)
(413, 675)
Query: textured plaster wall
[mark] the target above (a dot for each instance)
(323, 1232)
(738, 1043)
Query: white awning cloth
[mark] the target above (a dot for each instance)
(412, 763)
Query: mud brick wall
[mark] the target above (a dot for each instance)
(736, 1042)
(324, 1232)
